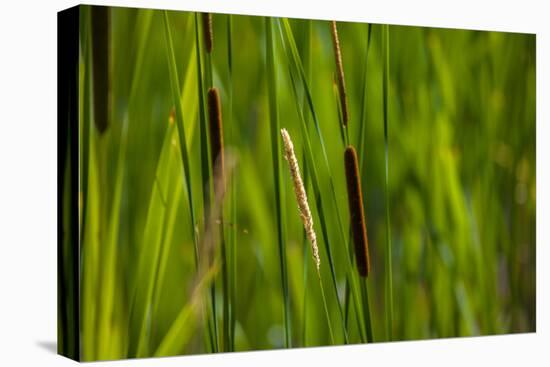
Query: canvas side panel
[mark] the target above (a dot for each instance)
(68, 322)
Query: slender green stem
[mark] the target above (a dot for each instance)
(181, 131)
(326, 308)
(389, 281)
(206, 173)
(362, 154)
(363, 126)
(305, 257)
(306, 260)
(225, 290)
(279, 188)
(233, 232)
(366, 307)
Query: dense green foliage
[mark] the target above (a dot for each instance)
(460, 185)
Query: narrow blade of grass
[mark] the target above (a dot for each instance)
(152, 245)
(389, 280)
(362, 154)
(174, 81)
(182, 329)
(110, 253)
(206, 172)
(180, 125)
(233, 193)
(308, 69)
(279, 188)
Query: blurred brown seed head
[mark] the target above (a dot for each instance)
(357, 217)
(207, 31)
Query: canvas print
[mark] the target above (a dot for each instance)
(242, 183)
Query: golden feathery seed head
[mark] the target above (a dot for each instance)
(340, 73)
(357, 217)
(207, 31)
(301, 196)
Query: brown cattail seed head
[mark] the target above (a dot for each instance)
(101, 24)
(340, 73)
(357, 217)
(207, 31)
(172, 116)
(216, 128)
(301, 196)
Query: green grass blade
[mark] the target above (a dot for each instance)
(183, 328)
(189, 102)
(180, 125)
(90, 205)
(181, 132)
(389, 278)
(305, 257)
(363, 117)
(110, 253)
(325, 305)
(362, 154)
(366, 308)
(206, 170)
(152, 246)
(279, 188)
(233, 192)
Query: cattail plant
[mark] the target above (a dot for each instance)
(218, 166)
(207, 31)
(216, 128)
(340, 73)
(357, 217)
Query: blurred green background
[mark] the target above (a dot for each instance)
(462, 184)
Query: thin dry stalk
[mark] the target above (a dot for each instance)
(301, 196)
(340, 73)
(357, 217)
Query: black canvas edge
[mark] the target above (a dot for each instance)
(68, 279)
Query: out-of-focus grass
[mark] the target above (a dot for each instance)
(461, 185)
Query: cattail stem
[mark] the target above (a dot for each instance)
(280, 194)
(340, 74)
(357, 217)
(205, 173)
(217, 157)
(366, 307)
